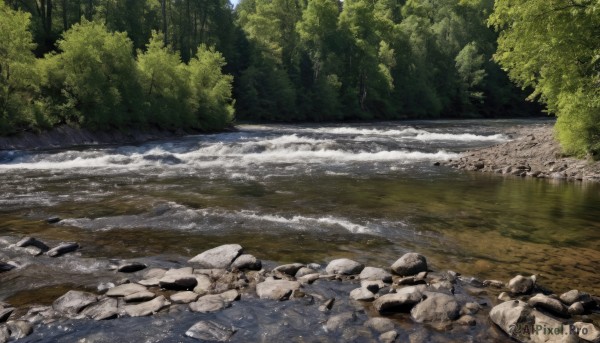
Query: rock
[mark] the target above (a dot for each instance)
(401, 301)
(362, 294)
(410, 264)
(339, 321)
(4, 267)
(504, 296)
(72, 302)
(574, 295)
(305, 271)
(104, 309)
(374, 274)
(219, 257)
(53, 220)
(139, 296)
(467, 320)
(209, 303)
(437, 307)
(470, 308)
(230, 295)
(576, 309)
(178, 282)
(5, 313)
(33, 251)
(4, 334)
(211, 331)
(373, 286)
(184, 297)
(380, 324)
(493, 283)
(153, 282)
(327, 305)
(19, 329)
(203, 284)
(521, 285)
(542, 301)
(308, 279)
(344, 266)
(247, 262)
(388, 337)
(155, 273)
(588, 332)
(32, 242)
(131, 267)
(125, 290)
(62, 248)
(146, 308)
(289, 269)
(277, 289)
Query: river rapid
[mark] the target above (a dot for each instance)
(301, 193)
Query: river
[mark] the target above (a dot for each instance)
(301, 193)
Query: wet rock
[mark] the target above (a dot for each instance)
(146, 308)
(155, 273)
(179, 279)
(4, 334)
(277, 289)
(380, 324)
(308, 279)
(493, 283)
(327, 305)
(362, 294)
(437, 307)
(125, 290)
(305, 271)
(388, 337)
(184, 297)
(5, 313)
(72, 302)
(19, 329)
(247, 262)
(219, 257)
(211, 331)
(410, 264)
(63, 248)
(467, 320)
(231, 295)
(521, 284)
(344, 266)
(290, 269)
(203, 284)
(32, 242)
(542, 301)
(4, 267)
(588, 332)
(153, 282)
(576, 309)
(209, 303)
(508, 314)
(104, 309)
(33, 251)
(574, 295)
(401, 301)
(139, 296)
(504, 296)
(339, 321)
(373, 286)
(374, 274)
(53, 220)
(131, 267)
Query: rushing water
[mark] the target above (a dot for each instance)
(300, 194)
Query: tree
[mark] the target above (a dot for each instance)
(551, 46)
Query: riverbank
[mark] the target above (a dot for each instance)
(533, 152)
(226, 294)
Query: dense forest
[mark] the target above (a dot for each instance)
(109, 64)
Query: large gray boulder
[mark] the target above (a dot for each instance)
(344, 266)
(521, 284)
(410, 264)
(401, 301)
(219, 257)
(210, 331)
(542, 301)
(276, 289)
(437, 307)
(72, 302)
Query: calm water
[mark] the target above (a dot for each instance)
(302, 193)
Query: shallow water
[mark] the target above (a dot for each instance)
(303, 193)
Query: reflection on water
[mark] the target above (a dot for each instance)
(309, 194)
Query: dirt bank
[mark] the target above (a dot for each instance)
(533, 152)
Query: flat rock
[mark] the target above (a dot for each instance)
(308, 279)
(179, 279)
(209, 303)
(410, 264)
(375, 274)
(401, 301)
(219, 257)
(339, 321)
(521, 284)
(104, 309)
(344, 266)
(247, 262)
(131, 267)
(72, 302)
(146, 308)
(388, 337)
(203, 284)
(230, 295)
(211, 331)
(63, 248)
(588, 332)
(155, 273)
(541, 301)
(276, 289)
(305, 271)
(362, 294)
(152, 282)
(184, 297)
(290, 269)
(380, 324)
(139, 296)
(125, 290)
(437, 307)
(32, 242)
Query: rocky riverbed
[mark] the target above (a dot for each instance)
(226, 294)
(533, 152)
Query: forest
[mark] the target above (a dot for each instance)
(201, 64)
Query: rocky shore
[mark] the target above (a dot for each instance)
(344, 300)
(532, 152)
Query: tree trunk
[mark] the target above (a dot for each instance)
(64, 15)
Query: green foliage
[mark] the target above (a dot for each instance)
(550, 46)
